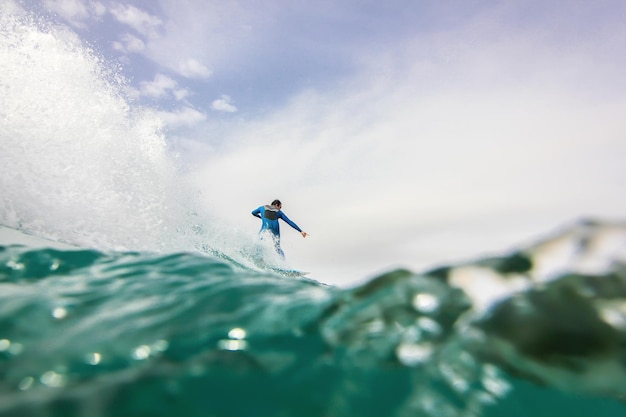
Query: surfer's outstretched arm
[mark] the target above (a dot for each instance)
(292, 224)
(257, 212)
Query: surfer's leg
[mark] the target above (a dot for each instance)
(278, 248)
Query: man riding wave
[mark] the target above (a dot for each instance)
(269, 216)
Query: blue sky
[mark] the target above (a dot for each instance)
(251, 57)
(398, 133)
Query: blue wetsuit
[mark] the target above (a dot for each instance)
(270, 215)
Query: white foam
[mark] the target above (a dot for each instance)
(79, 163)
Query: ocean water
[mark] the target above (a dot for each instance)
(119, 296)
(540, 331)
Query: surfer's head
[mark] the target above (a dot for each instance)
(277, 203)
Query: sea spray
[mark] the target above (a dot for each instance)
(81, 163)
(75, 150)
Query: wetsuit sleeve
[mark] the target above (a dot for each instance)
(289, 222)
(257, 212)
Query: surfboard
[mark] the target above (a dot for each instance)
(10, 236)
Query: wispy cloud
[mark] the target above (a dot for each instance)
(192, 68)
(141, 21)
(74, 11)
(98, 8)
(185, 117)
(224, 104)
(181, 93)
(129, 43)
(204, 37)
(161, 87)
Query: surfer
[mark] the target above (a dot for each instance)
(269, 215)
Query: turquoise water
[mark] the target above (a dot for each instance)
(119, 296)
(87, 333)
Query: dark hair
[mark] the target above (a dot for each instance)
(276, 203)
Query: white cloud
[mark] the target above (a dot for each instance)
(98, 8)
(214, 34)
(141, 21)
(129, 44)
(185, 117)
(181, 94)
(159, 87)
(224, 104)
(163, 86)
(192, 68)
(74, 11)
